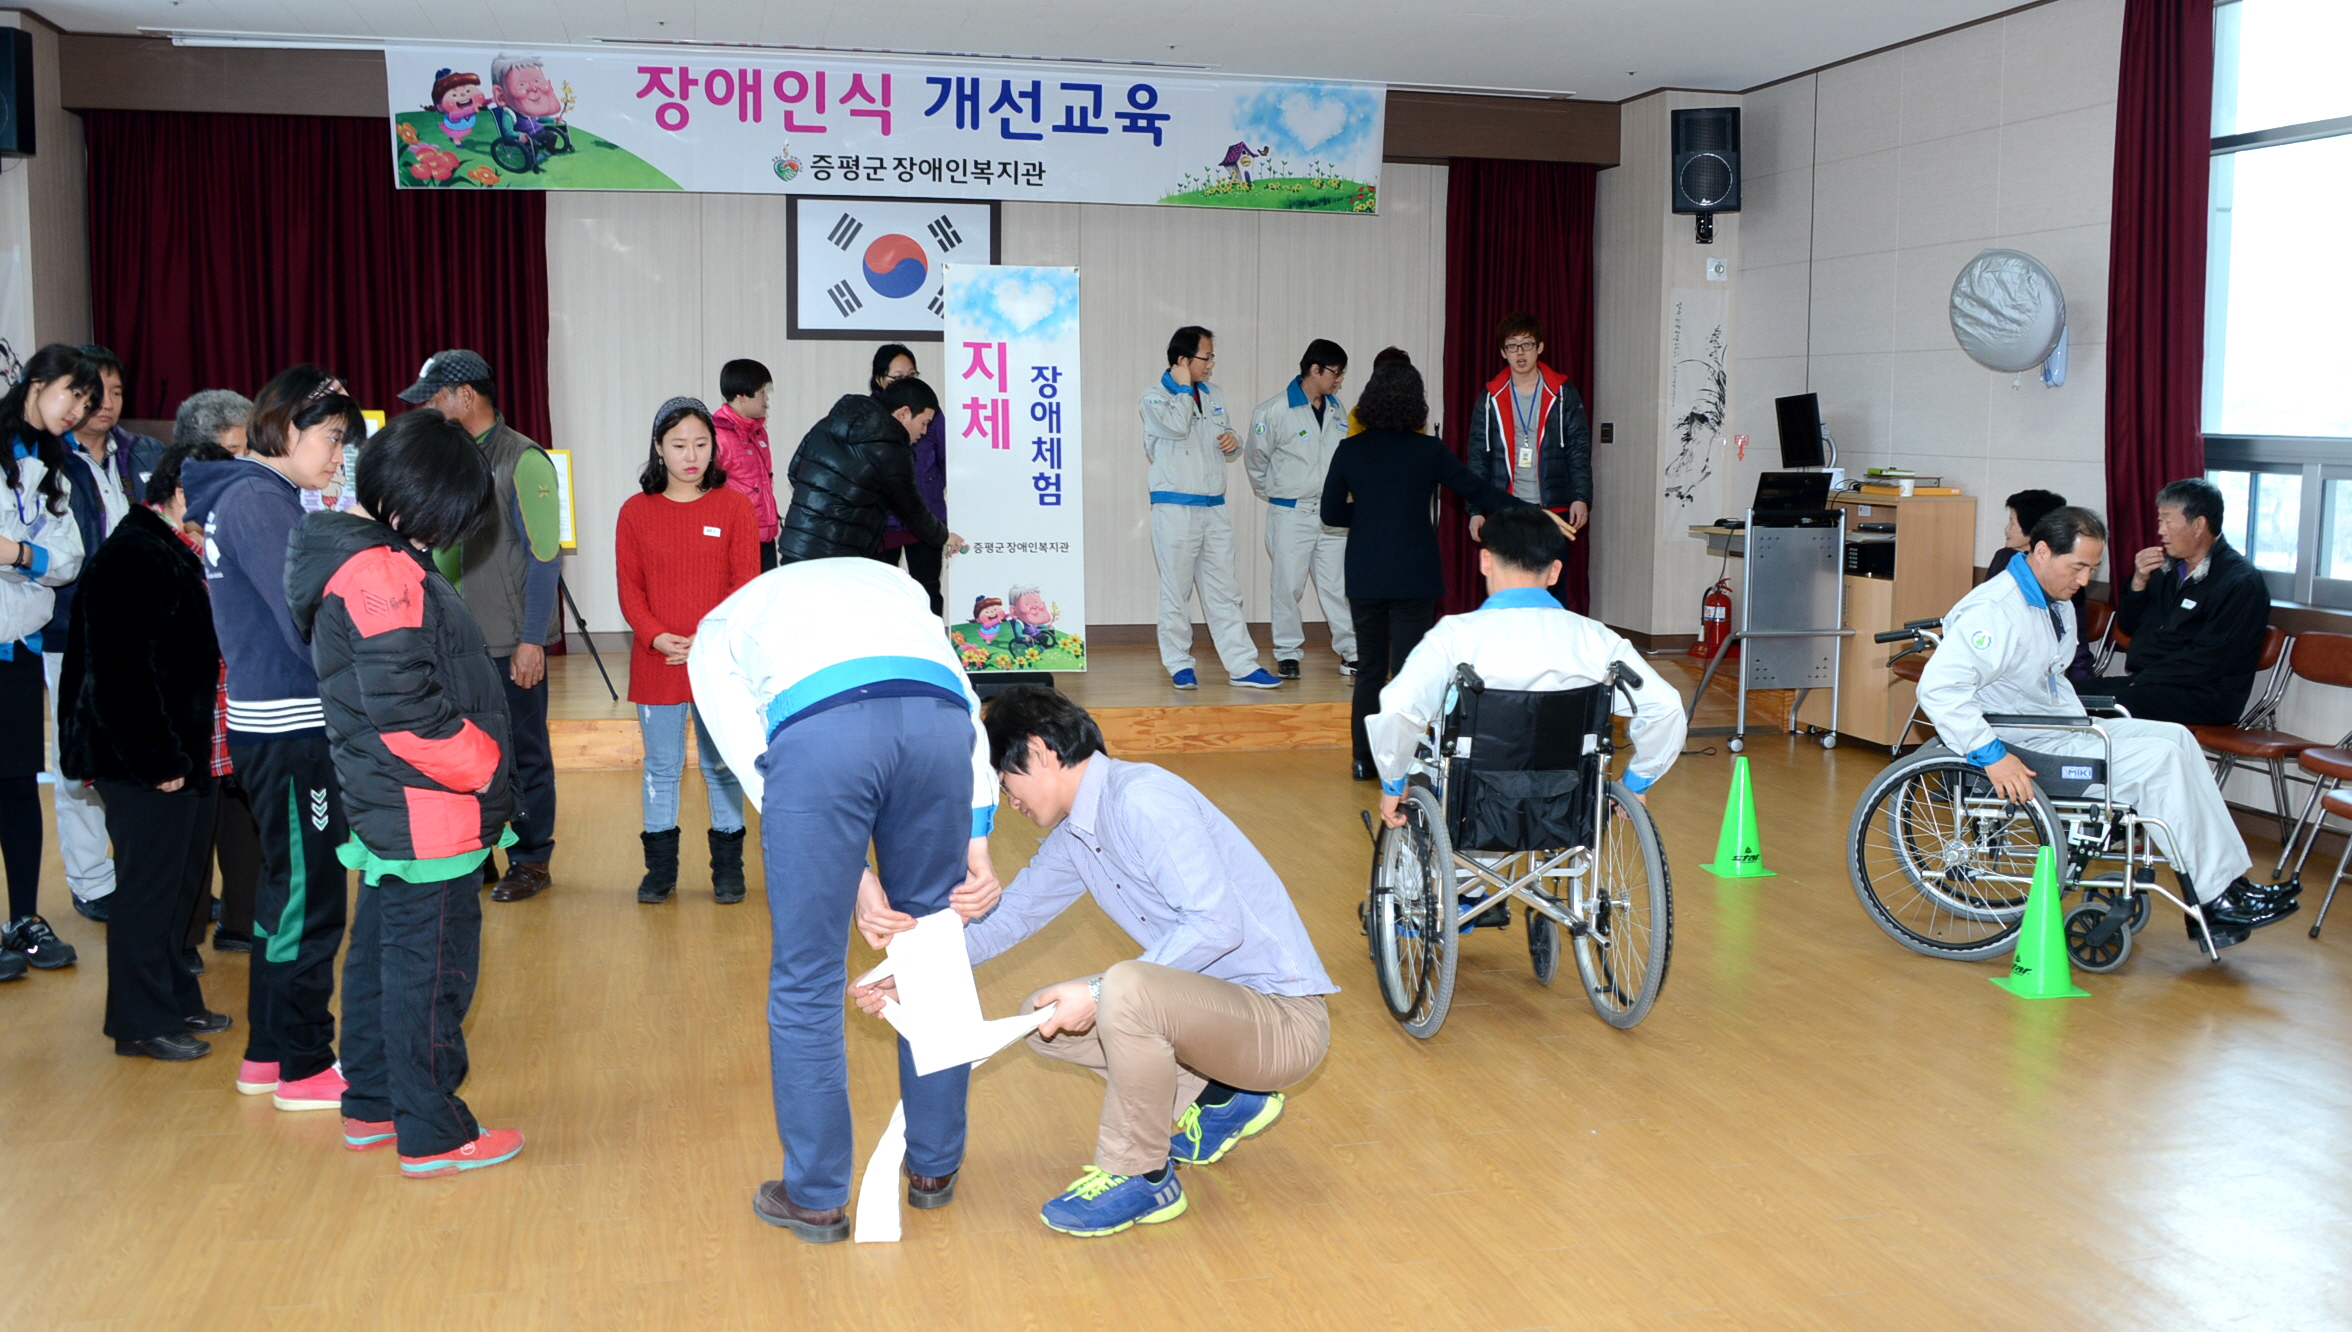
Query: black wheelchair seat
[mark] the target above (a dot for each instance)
(1521, 764)
(2064, 776)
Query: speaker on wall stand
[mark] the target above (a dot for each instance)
(1707, 164)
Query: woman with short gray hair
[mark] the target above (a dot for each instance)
(214, 416)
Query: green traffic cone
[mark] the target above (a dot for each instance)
(1739, 853)
(2040, 970)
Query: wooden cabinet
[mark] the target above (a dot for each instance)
(1935, 566)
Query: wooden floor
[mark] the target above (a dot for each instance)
(1814, 1129)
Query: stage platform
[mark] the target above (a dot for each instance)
(1124, 687)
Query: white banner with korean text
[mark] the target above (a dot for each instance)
(1009, 388)
(734, 122)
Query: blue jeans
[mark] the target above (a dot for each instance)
(664, 729)
(896, 772)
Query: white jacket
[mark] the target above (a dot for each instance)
(1288, 452)
(2001, 653)
(810, 631)
(26, 600)
(1180, 437)
(1522, 639)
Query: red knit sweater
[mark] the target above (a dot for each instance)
(677, 561)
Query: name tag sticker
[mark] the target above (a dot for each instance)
(710, 531)
(2188, 605)
(1526, 456)
(2074, 772)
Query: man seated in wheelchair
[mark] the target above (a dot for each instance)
(1519, 639)
(2005, 651)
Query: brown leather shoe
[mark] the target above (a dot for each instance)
(524, 878)
(931, 1190)
(827, 1226)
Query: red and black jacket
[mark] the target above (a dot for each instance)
(415, 708)
(1563, 456)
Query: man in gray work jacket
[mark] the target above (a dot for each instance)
(1292, 435)
(1225, 1006)
(1189, 441)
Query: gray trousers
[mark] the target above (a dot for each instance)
(2158, 770)
(1299, 545)
(1194, 546)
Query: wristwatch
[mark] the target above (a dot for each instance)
(1094, 988)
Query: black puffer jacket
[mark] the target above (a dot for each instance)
(416, 712)
(142, 669)
(851, 469)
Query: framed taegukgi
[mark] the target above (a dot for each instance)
(870, 268)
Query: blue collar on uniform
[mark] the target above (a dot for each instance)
(1521, 598)
(1168, 382)
(1298, 396)
(2034, 596)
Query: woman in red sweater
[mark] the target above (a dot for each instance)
(683, 546)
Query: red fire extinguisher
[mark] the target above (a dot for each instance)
(1714, 621)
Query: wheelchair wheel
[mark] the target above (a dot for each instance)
(1629, 905)
(1543, 945)
(514, 156)
(1414, 946)
(2105, 954)
(1940, 862)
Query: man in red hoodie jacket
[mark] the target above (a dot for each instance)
(1529, 436)
(742, 429)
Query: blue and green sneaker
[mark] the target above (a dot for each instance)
(1207, 1132)
(1101, 1203)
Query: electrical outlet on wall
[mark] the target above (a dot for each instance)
(1719, 270)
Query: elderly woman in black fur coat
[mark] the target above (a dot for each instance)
(138, 694)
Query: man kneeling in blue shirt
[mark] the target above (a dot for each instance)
(1224, 1007)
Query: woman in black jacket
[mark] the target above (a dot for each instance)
(855, 466)
(138, 717)
(416, 721)
(1382, 487)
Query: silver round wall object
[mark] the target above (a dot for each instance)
(2007, 310)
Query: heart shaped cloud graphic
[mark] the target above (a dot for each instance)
(1302, 120)
(1022, 303)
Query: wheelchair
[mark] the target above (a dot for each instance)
(1943, 863)
(1511, 793)
(523, 154)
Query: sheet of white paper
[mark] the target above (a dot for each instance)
(938, 1011)
(877, 1208)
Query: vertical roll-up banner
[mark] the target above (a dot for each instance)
(1008, 386)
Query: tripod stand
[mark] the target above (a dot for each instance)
(581, 622)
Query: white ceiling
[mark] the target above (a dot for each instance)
(1603, 50)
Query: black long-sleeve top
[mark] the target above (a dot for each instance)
(1381, 487)
(2203, 635)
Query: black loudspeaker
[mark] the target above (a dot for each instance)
(16, 93)
(1707, 160)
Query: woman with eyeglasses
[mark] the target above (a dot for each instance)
(302, 420)
(892, 363)
(40, 549)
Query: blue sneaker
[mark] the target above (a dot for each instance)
(1101, 1203)
(1207, 1132)
(1261, 678)
(1185, 679)
(1496, 917)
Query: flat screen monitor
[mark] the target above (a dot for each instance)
(1800, 430)
(1791, 492)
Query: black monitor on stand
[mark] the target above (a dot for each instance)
(1801, 442)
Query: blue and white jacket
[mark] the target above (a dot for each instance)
(28, 596)
(249, 511)
(2005, 650)
(1181, 423)
(757, 669)
(1288, 452)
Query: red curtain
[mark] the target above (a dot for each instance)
(2156, 263)
(225, 248)
(1519, 236)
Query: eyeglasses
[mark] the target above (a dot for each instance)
(1510, 347)
(1205, 360)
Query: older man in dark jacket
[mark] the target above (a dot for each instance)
(855, 466)
(2196, 612)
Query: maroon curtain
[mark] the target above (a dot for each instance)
(1519, 236)
(2156, 263)
(225, 248)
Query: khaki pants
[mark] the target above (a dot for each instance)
(1161, 1034)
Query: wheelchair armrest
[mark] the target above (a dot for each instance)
(2037, 722)
(2104, 704)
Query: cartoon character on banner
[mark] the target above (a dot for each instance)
(1237, 162)
(989, 614)
(458, 97)
(1033, 618)
(528, 113)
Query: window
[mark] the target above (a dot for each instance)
(2278, 430)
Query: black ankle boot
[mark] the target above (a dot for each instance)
(726, 856)
(661, 866)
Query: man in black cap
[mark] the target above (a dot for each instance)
(507, 572)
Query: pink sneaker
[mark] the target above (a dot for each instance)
(257, 1079)
(322, 1090)
(361, 1134)
(493, 1147)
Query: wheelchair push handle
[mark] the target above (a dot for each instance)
(1910, 629)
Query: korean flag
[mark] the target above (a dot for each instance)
(870, 268)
